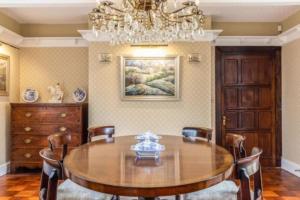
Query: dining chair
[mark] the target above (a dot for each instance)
(60, 142)
(52, 171)
(246, 167)
(234, 143)
(197, 132)
(107, 131)
(250, 167)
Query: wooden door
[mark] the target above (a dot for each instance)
(248, 98)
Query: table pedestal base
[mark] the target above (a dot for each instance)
(148, 198)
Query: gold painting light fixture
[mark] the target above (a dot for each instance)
(147, 21)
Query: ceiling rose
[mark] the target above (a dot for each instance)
(147, 21)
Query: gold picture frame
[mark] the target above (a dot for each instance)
(150, 78)
(4, 75)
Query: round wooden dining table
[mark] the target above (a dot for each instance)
(186, 165)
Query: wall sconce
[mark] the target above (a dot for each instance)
(105, 57)
(194, 58)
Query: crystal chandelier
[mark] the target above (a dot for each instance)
(147, 21)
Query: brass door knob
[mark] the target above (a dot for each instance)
(27, 129)
(28, 114)
(27, 155)
(224, 120)
(27, 141)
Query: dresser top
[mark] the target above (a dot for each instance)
(47, 104)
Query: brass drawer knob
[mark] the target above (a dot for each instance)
(28, 114)
(63, 115)
(27, 141)
(27, 129)
(27, 155)
(62, 129)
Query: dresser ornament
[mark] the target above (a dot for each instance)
(56, 93)
(30, 95)
(79, 95)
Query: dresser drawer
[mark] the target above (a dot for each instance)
(62, 115)
(28, 140)
(47, 115)
(45, 129)
(27, 114)
(26, 154)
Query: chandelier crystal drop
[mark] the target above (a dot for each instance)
(148, 21)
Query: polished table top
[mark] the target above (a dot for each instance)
(185, 166)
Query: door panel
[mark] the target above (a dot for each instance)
(246, 99)
(231, 99)
(248, 120)
(230, 66)
(248, 96)
(232, 120)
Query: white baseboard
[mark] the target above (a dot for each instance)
(4, 169)
(290, 166)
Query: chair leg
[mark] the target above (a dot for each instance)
(43, 186)
(115, 197)
(44, 180)
(177, 197)
(245, 185)
(52, 185)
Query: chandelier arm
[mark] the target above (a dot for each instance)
(179, 9)
(116, 9)
(130, 2)
(168, 19)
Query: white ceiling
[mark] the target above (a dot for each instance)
(75, 11)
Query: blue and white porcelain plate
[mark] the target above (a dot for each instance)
(30, 95)
(79, 95)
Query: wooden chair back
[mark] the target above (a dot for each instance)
(250, 167)
(198, 132)
(107, 131)
(52, 172)
(60, 140)
(235, 144)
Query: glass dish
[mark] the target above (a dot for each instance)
(147, 149)
(148, 136)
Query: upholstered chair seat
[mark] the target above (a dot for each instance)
(226, 190)
(68, 190)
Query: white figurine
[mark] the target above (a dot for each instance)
(56, 94)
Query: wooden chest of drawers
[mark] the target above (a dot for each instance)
(32, 123)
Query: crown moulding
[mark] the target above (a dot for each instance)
(279, 40)
(14, 39)
(87, 36)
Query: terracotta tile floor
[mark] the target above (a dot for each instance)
(278, 185)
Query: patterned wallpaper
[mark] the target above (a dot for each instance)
(42, 67)
(194, 108)
(290, 101)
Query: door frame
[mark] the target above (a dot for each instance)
(227, 50)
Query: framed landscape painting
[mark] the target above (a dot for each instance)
(150, 78)
(4, 75)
